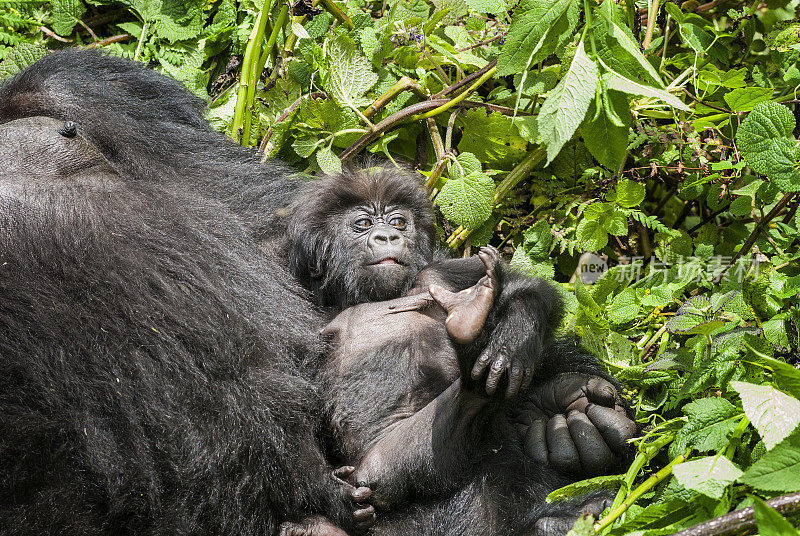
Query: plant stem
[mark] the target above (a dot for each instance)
(443, 108)
(251, 52)
(643, 488)
(398, 87)
(338, 14)
(744, 518)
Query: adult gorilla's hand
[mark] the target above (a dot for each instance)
(576, 423)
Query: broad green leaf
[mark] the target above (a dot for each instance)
(21, 56)
(492, 138)
(628, 52)
(628, 193)
(778, 469)
(607, 141)
(709, 476)
(328, 161)
(785, 36)
(66, 14)
(495, 7)
(773, 413)
(770, 522)
(745, 99)
(585, 486)
(765, 142)
(533, 35)
(305, 147)
(467, 199)
(565, 107)
(591, 235)
(350, 74)
(618, 82)
(624, 307)
(711, 421)
(785, 375)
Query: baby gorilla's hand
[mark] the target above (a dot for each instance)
(363, 513)
(575, 423)
(310, 526)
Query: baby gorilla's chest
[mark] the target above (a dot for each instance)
(385, 366)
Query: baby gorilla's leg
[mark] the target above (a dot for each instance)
(467, 310)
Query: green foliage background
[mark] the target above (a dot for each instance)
(660, 138)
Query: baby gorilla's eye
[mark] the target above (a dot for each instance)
(363, 223)
(398, 223)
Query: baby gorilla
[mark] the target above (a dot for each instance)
(405, 410)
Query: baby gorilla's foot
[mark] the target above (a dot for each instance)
(363, 513)
(467, 310)
(310, 526)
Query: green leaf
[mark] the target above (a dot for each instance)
(627, 51)
(764, 140)
(710, 475)
(565, 107)
(495, 7)
(66, 14)
(744, 99)
(537, 28)
(350, 74)
(785, 375)
(785, 36)
(21, 56)
(328, 161)
(591, 235)
(583, 487)
(493, 138)
(624, 307)
(778, 469)
(614, 80)
(466, 198)
(711, 421)
(628, 193)
(773, 413)
(607, 141)
(770, 522)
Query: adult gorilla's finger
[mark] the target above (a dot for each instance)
(593, 452)
(535, 442)
(481, 363)
(495, 373)
(561, 452)
(361, 494)
(527, 378)
(601, 391)
(515, 376)
(615, 426)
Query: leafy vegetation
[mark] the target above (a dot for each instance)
(642, 154)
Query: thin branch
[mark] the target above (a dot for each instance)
(50, 33)
(465, 81)
(748, 245)
(652, 13)
(338, 14)
(476, 45)
(743, 518)
(405, 83)
(109, 40)
(316, 95)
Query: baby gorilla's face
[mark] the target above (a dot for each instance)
(381, 241)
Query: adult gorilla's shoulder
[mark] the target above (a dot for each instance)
(150, 129)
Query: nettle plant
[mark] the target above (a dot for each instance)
(654, 140)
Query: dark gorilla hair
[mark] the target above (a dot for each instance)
(322, 256)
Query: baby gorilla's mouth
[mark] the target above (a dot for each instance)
(390, 261)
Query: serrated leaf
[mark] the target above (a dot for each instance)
(624, 307)
(628, 193)
(591, 235)
(628, 50)
(607, 141)
(493, 138)
(711, 421)
(349, 74)
(495, 7)
(565, 107)
(770, 522)
(744, 99)
(66, 14)
(583, 487)
(773, 413)
(467, 200)
(536, 30)
(21, 56)
(778, 469)
(710, 475)
(328, 162)
(614, 80)
(305, 147)
(764, 141)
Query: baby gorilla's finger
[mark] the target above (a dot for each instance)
(361, 494)
(343, 472)
(561, 451)
(593, 452)
(481, 363)
(615, 426)
(364, 518)
(601, 392)
(527, 378)
(496, 373)
(535, 442)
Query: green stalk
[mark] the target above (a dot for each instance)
(256, 70)
(251, 52)
(643, 488)
(449, 104)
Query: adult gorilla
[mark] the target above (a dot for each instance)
(149, 346)
(148, 357)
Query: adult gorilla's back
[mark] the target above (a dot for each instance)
(148, 382)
